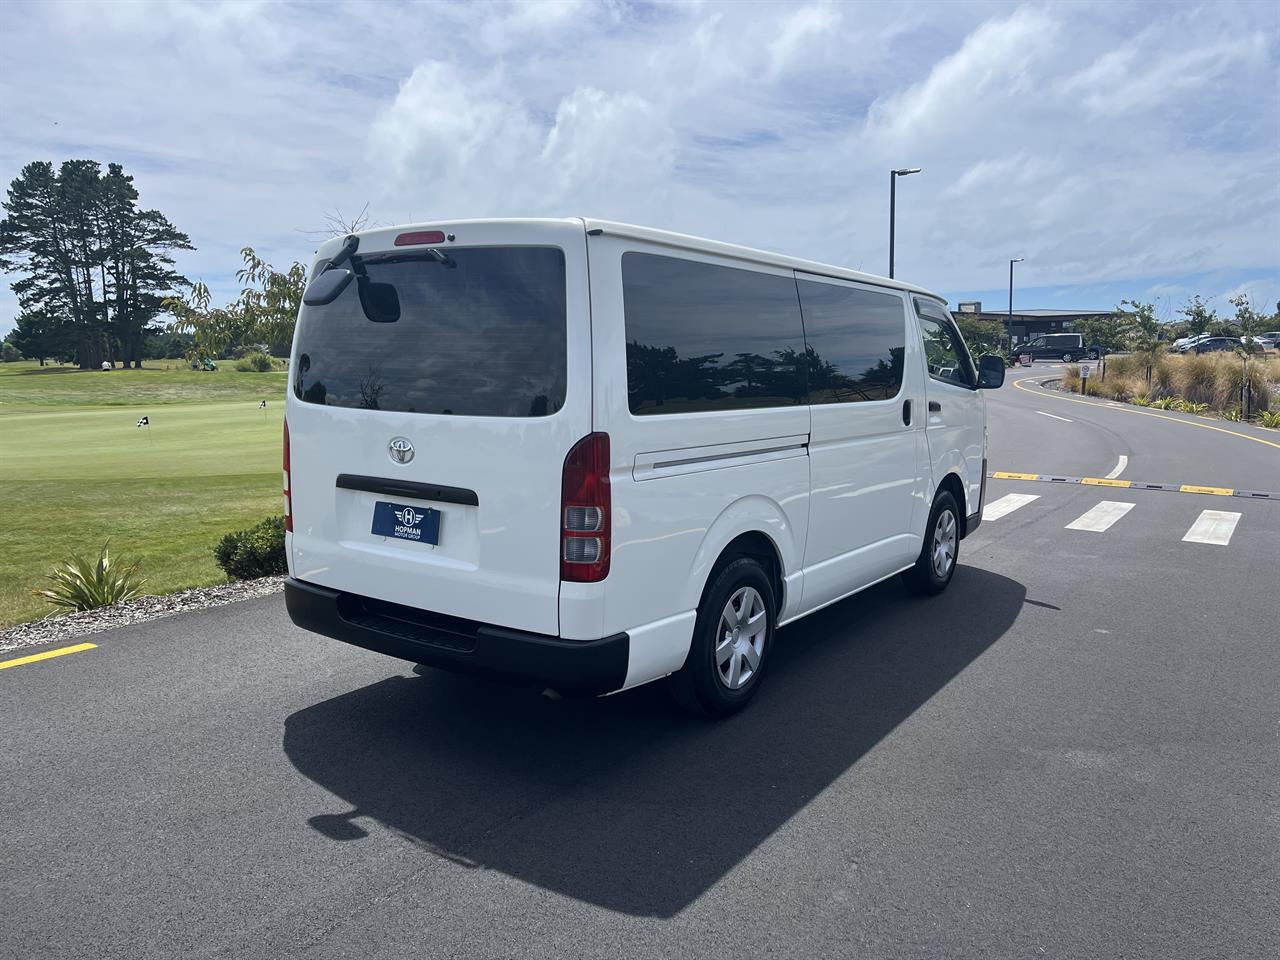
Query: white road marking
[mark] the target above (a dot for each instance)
(1055, 416)
(1007, 504)
(1213, 526)
(1101, 517)
(1124, 462)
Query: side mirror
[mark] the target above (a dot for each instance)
(327, 287)
(990, 372)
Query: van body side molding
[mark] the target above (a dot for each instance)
(667, 463)
(408, 488)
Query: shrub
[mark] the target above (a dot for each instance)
(255, 552)
(80, 584)
(1232, 414)
(254, 363)
(1259, 383)
(1187, 407)
(1167, 403)
(9, 353)
(1270, 419)
(1196, 378)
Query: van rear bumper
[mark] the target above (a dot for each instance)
(569, 666)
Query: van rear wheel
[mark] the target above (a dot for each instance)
(941, 549)
(731, 641)
(1067, 358)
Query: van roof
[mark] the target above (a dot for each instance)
(677, 241)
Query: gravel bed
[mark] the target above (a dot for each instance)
(71, 626)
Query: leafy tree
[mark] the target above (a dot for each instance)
(1246, 318)
(1138, 326)
(212, 329)
(270, 301)
(1200, 316)
(8, 352)
(1106, 331)
(37, 336)
(266, 310)
(89, 260)
(981, 336)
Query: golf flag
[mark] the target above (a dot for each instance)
(144, 422)
(262, 405)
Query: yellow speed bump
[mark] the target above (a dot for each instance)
(1004, 475)
(1215, 491)
(46, 655)
(1103, 482)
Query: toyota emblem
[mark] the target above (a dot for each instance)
(401, 450)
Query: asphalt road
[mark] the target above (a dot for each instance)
(1074, 752)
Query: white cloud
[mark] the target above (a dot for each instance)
(798, 32)
(1105, 143)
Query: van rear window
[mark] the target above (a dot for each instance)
(480, 333)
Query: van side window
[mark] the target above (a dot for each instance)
(705, 337)
(944, 350)
(855, 340)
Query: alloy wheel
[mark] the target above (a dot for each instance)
(944, 544)
(740, 637)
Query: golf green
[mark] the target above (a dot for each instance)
(74, 476)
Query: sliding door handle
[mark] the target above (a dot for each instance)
(906, 413)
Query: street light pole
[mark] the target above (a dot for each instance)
(1009, 325)
(893, 205)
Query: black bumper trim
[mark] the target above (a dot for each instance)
(569, 666)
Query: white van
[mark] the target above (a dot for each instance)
(594, 455)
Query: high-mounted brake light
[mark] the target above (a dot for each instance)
(585, 507)
(420, 236)
(288, 487)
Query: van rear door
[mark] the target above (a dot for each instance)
(435, 400)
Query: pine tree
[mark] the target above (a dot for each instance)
(90, 261)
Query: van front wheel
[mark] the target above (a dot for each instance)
(731, 641)
(941, 550)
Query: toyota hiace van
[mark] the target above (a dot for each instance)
(594, 455)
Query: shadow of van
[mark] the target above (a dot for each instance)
(623, 802)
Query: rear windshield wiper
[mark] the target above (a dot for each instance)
(439, 256)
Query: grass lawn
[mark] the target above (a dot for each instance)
(161, 381)
(75, 470)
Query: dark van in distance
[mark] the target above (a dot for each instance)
(1067, 347)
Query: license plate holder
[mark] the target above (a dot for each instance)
(402, 521)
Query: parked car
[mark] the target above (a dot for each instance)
(1188, 343)
(1214, 344)
(1067, 347)
(1261, 341)
(594, 455)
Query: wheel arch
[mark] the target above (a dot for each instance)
(952, 483)
(752, 527)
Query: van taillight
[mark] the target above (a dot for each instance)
(288, 487)
(585, 507)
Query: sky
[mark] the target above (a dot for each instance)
(1124, 150)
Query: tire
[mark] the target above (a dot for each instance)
(928, 577)
(724, 667)
(1068, 358)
